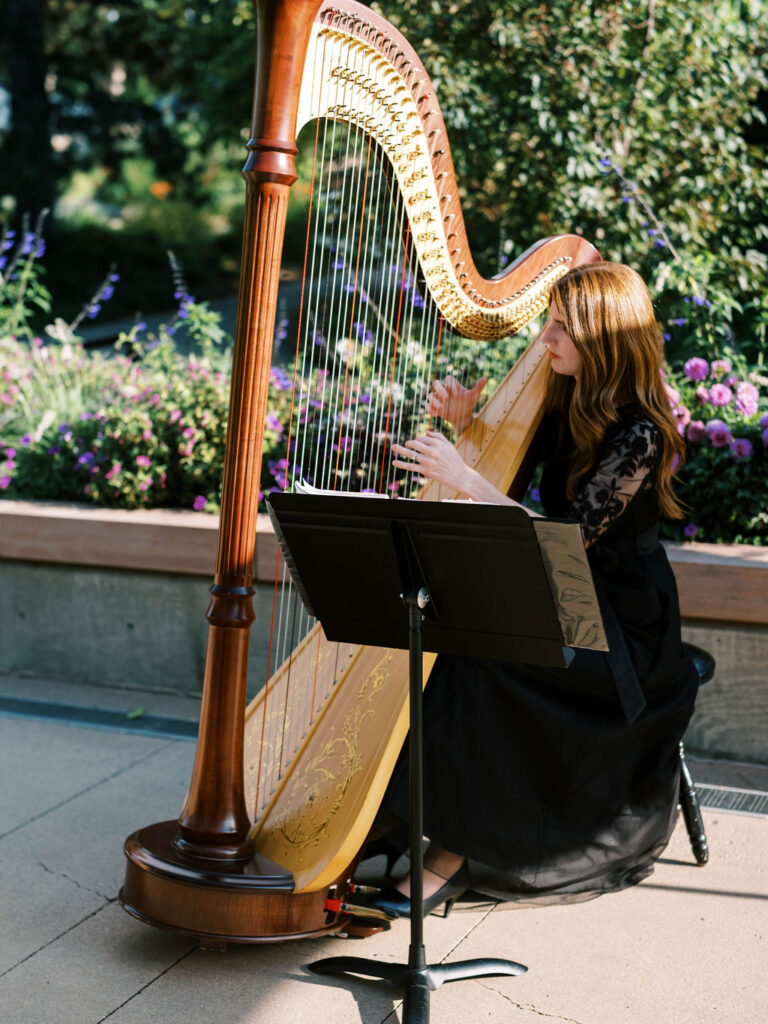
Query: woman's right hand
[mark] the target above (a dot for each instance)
(450, 401)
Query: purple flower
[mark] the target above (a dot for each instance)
(86, 459)
(747, 397)
(720, 394)
(696, 431)
(26, 440)
(10, 453)
(691, 530)
(273, 423)
(698, 301)
(718, 433)
(29, 241)
(696, 368)
(535, 494)
(143, 460)
(4, 482)
(86, 416)
(679, 321)
(764, 421)
(764, 436)
(720, 367)
(741, 448)
(63, 428)
(54, 449)
(199, 503)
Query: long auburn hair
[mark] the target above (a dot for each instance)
(607, 311)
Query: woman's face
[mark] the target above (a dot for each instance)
(563, 355)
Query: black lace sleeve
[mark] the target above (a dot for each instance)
(625, 467)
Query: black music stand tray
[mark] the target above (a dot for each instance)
(457, 567)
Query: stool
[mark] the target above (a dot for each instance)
(689, 801)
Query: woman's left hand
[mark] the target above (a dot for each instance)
(433, 456)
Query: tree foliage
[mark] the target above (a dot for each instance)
(535, 95)
(147, 94)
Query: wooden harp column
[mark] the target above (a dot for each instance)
(203, 875)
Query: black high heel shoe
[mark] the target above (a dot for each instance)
(395, 904)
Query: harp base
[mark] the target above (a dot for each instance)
(251, 901)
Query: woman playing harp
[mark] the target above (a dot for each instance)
(560, 784)
(283, 795)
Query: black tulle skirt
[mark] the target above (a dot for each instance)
(537, 778)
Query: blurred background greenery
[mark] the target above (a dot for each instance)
(128, 120)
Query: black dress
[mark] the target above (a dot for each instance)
(561, 784)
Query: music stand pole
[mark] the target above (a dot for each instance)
(417, 978)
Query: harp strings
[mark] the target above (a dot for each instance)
(368, 344)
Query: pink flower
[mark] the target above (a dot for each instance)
(5, 480)
(702, 394)
(143, 460)
(696, 368)
(718, 433)
(731, 380)
(175, 415)
(683, 416)
(696, 431)
(747, 397)
(720, 367)
(672, 394)
(199, 503)
(720, 394)
(188, 432)
(741, 448)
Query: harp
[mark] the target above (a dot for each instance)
(283, 793)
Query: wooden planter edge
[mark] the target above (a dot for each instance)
(719, 582)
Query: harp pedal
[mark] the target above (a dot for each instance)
(356, 911)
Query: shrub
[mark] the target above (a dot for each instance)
(724, 481)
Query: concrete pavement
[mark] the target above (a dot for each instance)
(688, 946)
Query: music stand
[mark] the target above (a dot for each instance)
(355, 560)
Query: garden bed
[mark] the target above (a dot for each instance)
(119, 597)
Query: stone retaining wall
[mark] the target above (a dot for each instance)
(119, 598)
